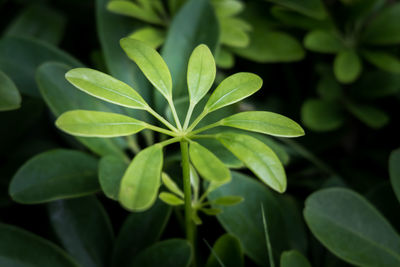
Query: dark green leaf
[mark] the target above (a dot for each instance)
(383, 60)
(9, 95)
(312, 8)
(323, 42)
(111, 171)
(347, 66)
(371, 116)
(294, 258)
(295, 19)
(134, 10)
(394, 171)
(228, 250)
(321, 115)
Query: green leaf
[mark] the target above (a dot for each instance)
(234, 32)
(377, 84)
(171, 185)
(98, 124)
(23, 249)
(258, 157)
(321, 115)
(264, 122)
(329, 89)
(228, 200)
(394, 171)
(150, 63)
(211, 212)
(351, 228)
(233, 89)
(383, 60)
(347, 66)
(207, 164)
(9, 95)
(149, 35)
(295, 19)
(105, 87)
(221, 152)
(384, 29)
(224, 58)
(141, 181)
(171, 199)
(134, 10)
(294, 258)
(371, 116)
(139, 231)
(311, 8)
(168, 253)
(323, 42)
(84, 229)
(227, 8)
(201, 73)
(55, 174)
(111, 171)
(228, 250)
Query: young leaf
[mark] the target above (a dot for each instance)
(9, 95)
(171, 185)
(228, 250)
(383, 60)
(347, 66)
(98, 124)
(150, 63)
(228, 200)
(105, 87)
(264, 122)
(323, 42)
(207, 164)
(332, 214)
(171, 199)
(258, 157)
(149, 35)
(394, 171)
(141, 181)
(293, 258)
(111, 170)
(201, 73)
(55, 174)
(233, 89)
(131, 9)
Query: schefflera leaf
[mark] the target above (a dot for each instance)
(98, 124)
(207, 164)
(201, 73)
(105, 87)
(233, 89)
(258, 157)
(140, 183)
(264, 122)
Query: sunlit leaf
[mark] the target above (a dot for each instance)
(149, 35)
(171, 199)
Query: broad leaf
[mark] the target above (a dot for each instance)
(150, 63)
(294, 258)
(171, 185)
(321, 115)
(171, 199)
(228, 250)
(394, 171)
(84, 229)
(23, 249)
(105, 87)
(134, 10)
(9, 95)
(347, 66)
(323, 42)
(233, 89)
(383, 60)
(168, 253)
(98, 124)
(351, 228)
(149, 35)
(201, 73)
(370, 115)
(258, 157)
(312, 8)
(55, 174)
(139, 231)
(111, 171)
(207, 164)
(264, 122)
(141, 181)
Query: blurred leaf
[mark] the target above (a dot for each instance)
(383, 60)
(171, 199)
(139, 231)
(40, 22)
(228, 250)
(227, 200)
(234, 32)
(224, 58)
(227, 8)
(23, 249)
(19, 58)
(258, 157)
(210, 212)
(294, 258)
(134, 10)
(140, 183)
(84, 229)
(371, 116)
(394, 171)
(329, 89)
(9, 95)
(311, 8)
(352, 228)
(347, 66)
(168, 253)
(171, 185)
(377, 84)
(111, 171)
(321, 115)
(55, 174)
(149, 35)
(384, 29)
(323, 42)
(294, 19)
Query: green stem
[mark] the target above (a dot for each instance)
(170, 141)
(190, 227)
(176, 118)
(188, 115)
(197, 120)
(133, 145)
(161, 119)
(161, 130)
(202, 129)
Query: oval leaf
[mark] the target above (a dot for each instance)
(351, 228)
(98, 124)
(111, 170)
(141, 181)
(9, 95)
(347, 66)
(171, 185)
(171, 199)
(201, 73)
(294, 258)
(322, 42)
(264, 122)
(258, 157)
(394, 171)
(150, 63)
(370, 115)
(228, 250)
(233, 89)
(105, 87)
(383, 60)
(53, 175)
(207, 164)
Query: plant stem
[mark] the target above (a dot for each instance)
(161, 119)
(188, 115)
(133, 145)
(190, 227)
(197, 120)
(176, 118)
(202, 129)
(161, 130)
